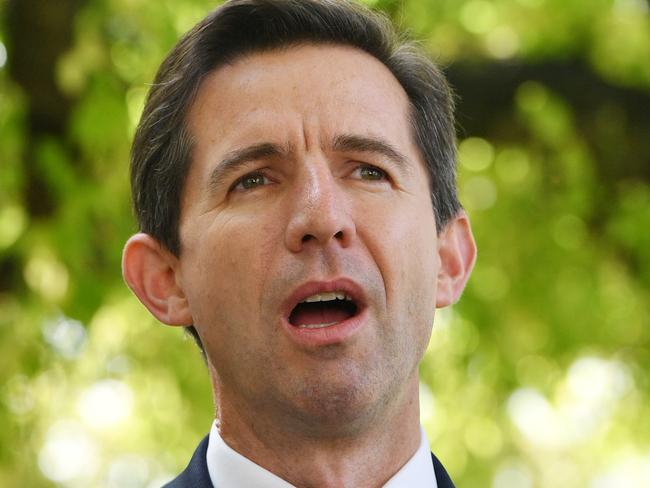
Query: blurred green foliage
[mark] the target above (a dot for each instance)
(539, 377)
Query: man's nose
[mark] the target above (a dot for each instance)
(320, 212)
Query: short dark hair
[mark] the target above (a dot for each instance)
(161, 152)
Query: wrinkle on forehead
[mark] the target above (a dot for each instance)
(303, 79)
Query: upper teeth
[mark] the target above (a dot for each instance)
(326, 297)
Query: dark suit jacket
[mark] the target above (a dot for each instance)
(196, 474)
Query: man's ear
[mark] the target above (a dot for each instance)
(457, 252)
(150, 271)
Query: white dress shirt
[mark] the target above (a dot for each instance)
(229, 469)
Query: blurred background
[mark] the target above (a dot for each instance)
(538, 378)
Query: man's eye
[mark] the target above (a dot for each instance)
(371, 173)
(250, 181)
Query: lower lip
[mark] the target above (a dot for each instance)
(326, 336)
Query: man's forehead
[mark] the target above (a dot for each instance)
(339, 88)
(303, 66)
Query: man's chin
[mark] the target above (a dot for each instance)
(335, 409)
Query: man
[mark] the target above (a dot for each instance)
(293, 176)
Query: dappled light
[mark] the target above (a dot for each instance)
(538, 377)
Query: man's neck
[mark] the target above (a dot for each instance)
(369, 457)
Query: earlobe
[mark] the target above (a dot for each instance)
(150, 271)
(457, 252)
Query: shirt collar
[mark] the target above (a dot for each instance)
(418, 471)
(229, 469)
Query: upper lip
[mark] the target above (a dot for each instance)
(346, 285)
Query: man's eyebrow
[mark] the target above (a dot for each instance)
(234, 160)
(352, 142)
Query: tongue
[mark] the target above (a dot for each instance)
(310, 314)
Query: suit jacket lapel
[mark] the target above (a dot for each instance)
(442, 478)
(196, 474)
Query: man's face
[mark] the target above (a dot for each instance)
(305, 184)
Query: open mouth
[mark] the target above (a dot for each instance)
(323, 310)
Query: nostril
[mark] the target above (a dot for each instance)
(309, 237)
